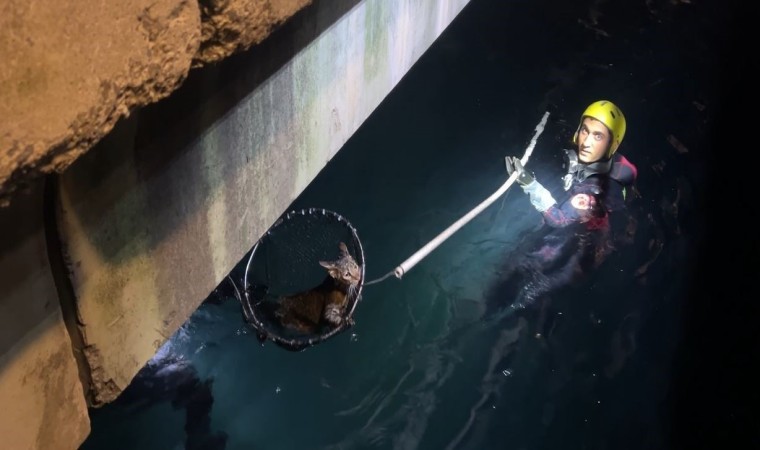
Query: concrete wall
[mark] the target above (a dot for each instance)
(97, 271)
(72, 69)
(43, 406)
(65, 83)
(154, 217)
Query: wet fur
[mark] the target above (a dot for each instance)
(324, 305)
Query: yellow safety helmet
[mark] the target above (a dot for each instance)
(610, 115)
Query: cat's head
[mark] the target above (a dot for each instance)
(344, 269)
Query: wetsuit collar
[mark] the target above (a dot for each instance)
(579, 171)
(595, 168)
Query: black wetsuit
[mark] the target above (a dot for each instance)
(605, 181)
(576, 233)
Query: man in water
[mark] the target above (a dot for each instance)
(579, 222)
(596, 177)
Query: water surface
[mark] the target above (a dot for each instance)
(428, 366)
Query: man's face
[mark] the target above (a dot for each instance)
(593, 140)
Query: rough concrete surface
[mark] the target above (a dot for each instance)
(43, 406)
(71, 70)
(154, 217)
(230, 26)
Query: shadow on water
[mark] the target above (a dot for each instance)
(438, 360)
(169, 393)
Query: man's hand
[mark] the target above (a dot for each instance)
(514, 165)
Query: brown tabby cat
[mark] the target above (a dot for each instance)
(304, 312)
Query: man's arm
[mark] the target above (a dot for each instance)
(579, 208)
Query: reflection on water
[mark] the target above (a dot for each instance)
(441, 359)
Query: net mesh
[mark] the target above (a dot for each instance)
(285, 263)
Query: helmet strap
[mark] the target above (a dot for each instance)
(608, 154)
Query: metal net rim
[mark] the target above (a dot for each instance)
(249, 311)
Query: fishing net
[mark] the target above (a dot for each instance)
(288, 293)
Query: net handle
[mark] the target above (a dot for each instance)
(410, 262)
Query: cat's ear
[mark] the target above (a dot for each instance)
(343, 248)
(332, 269)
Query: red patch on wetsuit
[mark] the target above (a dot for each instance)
(598, 223)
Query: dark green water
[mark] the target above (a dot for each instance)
(427, 366)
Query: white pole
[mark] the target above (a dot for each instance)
(430, 246)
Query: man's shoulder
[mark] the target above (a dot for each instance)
(623, 171)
